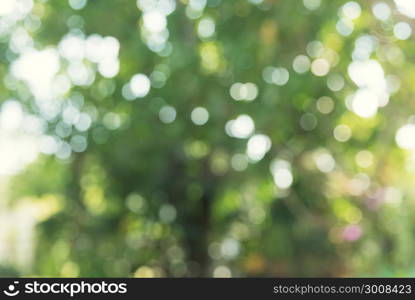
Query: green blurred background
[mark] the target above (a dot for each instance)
(183, 138)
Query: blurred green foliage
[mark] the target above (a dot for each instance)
(152, 187)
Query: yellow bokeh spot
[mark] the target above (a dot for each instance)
(44, 207)
(94, 199)
(362, 128)
(268, 32)
(70, 269)
(148, 272)
(346, 211)
(197, 149)
(212, 57)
